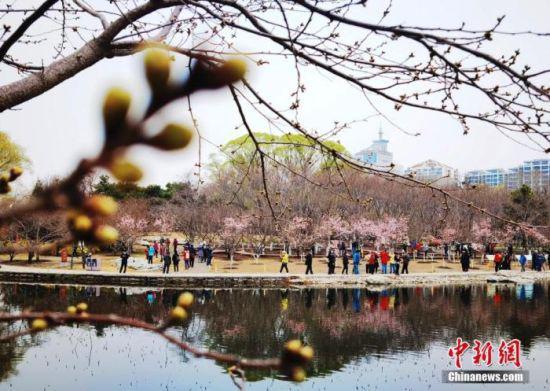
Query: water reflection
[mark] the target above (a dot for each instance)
(255, 323)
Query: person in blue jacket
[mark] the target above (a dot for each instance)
(522, 261)
(356, 260)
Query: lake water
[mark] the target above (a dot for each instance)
(392, 339)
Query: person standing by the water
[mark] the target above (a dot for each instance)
(176, 261)
(396, 259)
(465, 260)
(175, 243)
(192, 254)
(200, 252)
(345, 263)
(150, 255)
(284, 262)
(391, 262)
(186, 257)
(384, 259)
(356, 260)
(498, 261)
(538, 260)
(371, 262)
(124, 261)
(309, 263)
(366, 258)
(331, 261)
(208, 254)
(162, 249)
(156, 248)
(522, 261)
(406, 259)
(166, 263)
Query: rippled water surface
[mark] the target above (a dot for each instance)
(390, 339)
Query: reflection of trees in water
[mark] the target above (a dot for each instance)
(11, 352)
(342, 325)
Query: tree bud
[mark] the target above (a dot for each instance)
(293, 346)
(211, 77)
(102, 205)
(15, 173)
(82, 223)
(231, 71)
(125, 171)
(115, 108)
(157, 68)
(172, 137)
(106, 234)
(306, 353)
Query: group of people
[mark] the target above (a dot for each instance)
(504, 262)
(170, 253)
(374, 261)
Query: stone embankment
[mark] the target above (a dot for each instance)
(213, 280)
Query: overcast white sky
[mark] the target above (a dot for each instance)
(64, 124)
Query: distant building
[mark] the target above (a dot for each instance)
(377, 154)
(534, 173)
(434, 172)
(493, 177)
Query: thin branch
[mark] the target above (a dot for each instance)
(93, 12)
(12, 39)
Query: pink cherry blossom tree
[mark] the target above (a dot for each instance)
(363, 229)
(298, 232)
(448, 235)
(482, 232)
(391, 230)
(332, 227)
(130, 228)
(233, 232)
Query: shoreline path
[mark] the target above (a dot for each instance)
(202, 277)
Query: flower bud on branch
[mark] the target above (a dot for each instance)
(157, 69)
(125, 171)
(172, 137)
(115, 109)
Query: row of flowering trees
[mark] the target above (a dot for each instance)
(231, 229)
(484, 233)
(302, 232)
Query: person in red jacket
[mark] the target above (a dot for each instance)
(498, 261)
(372, 262)
(384, 259)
